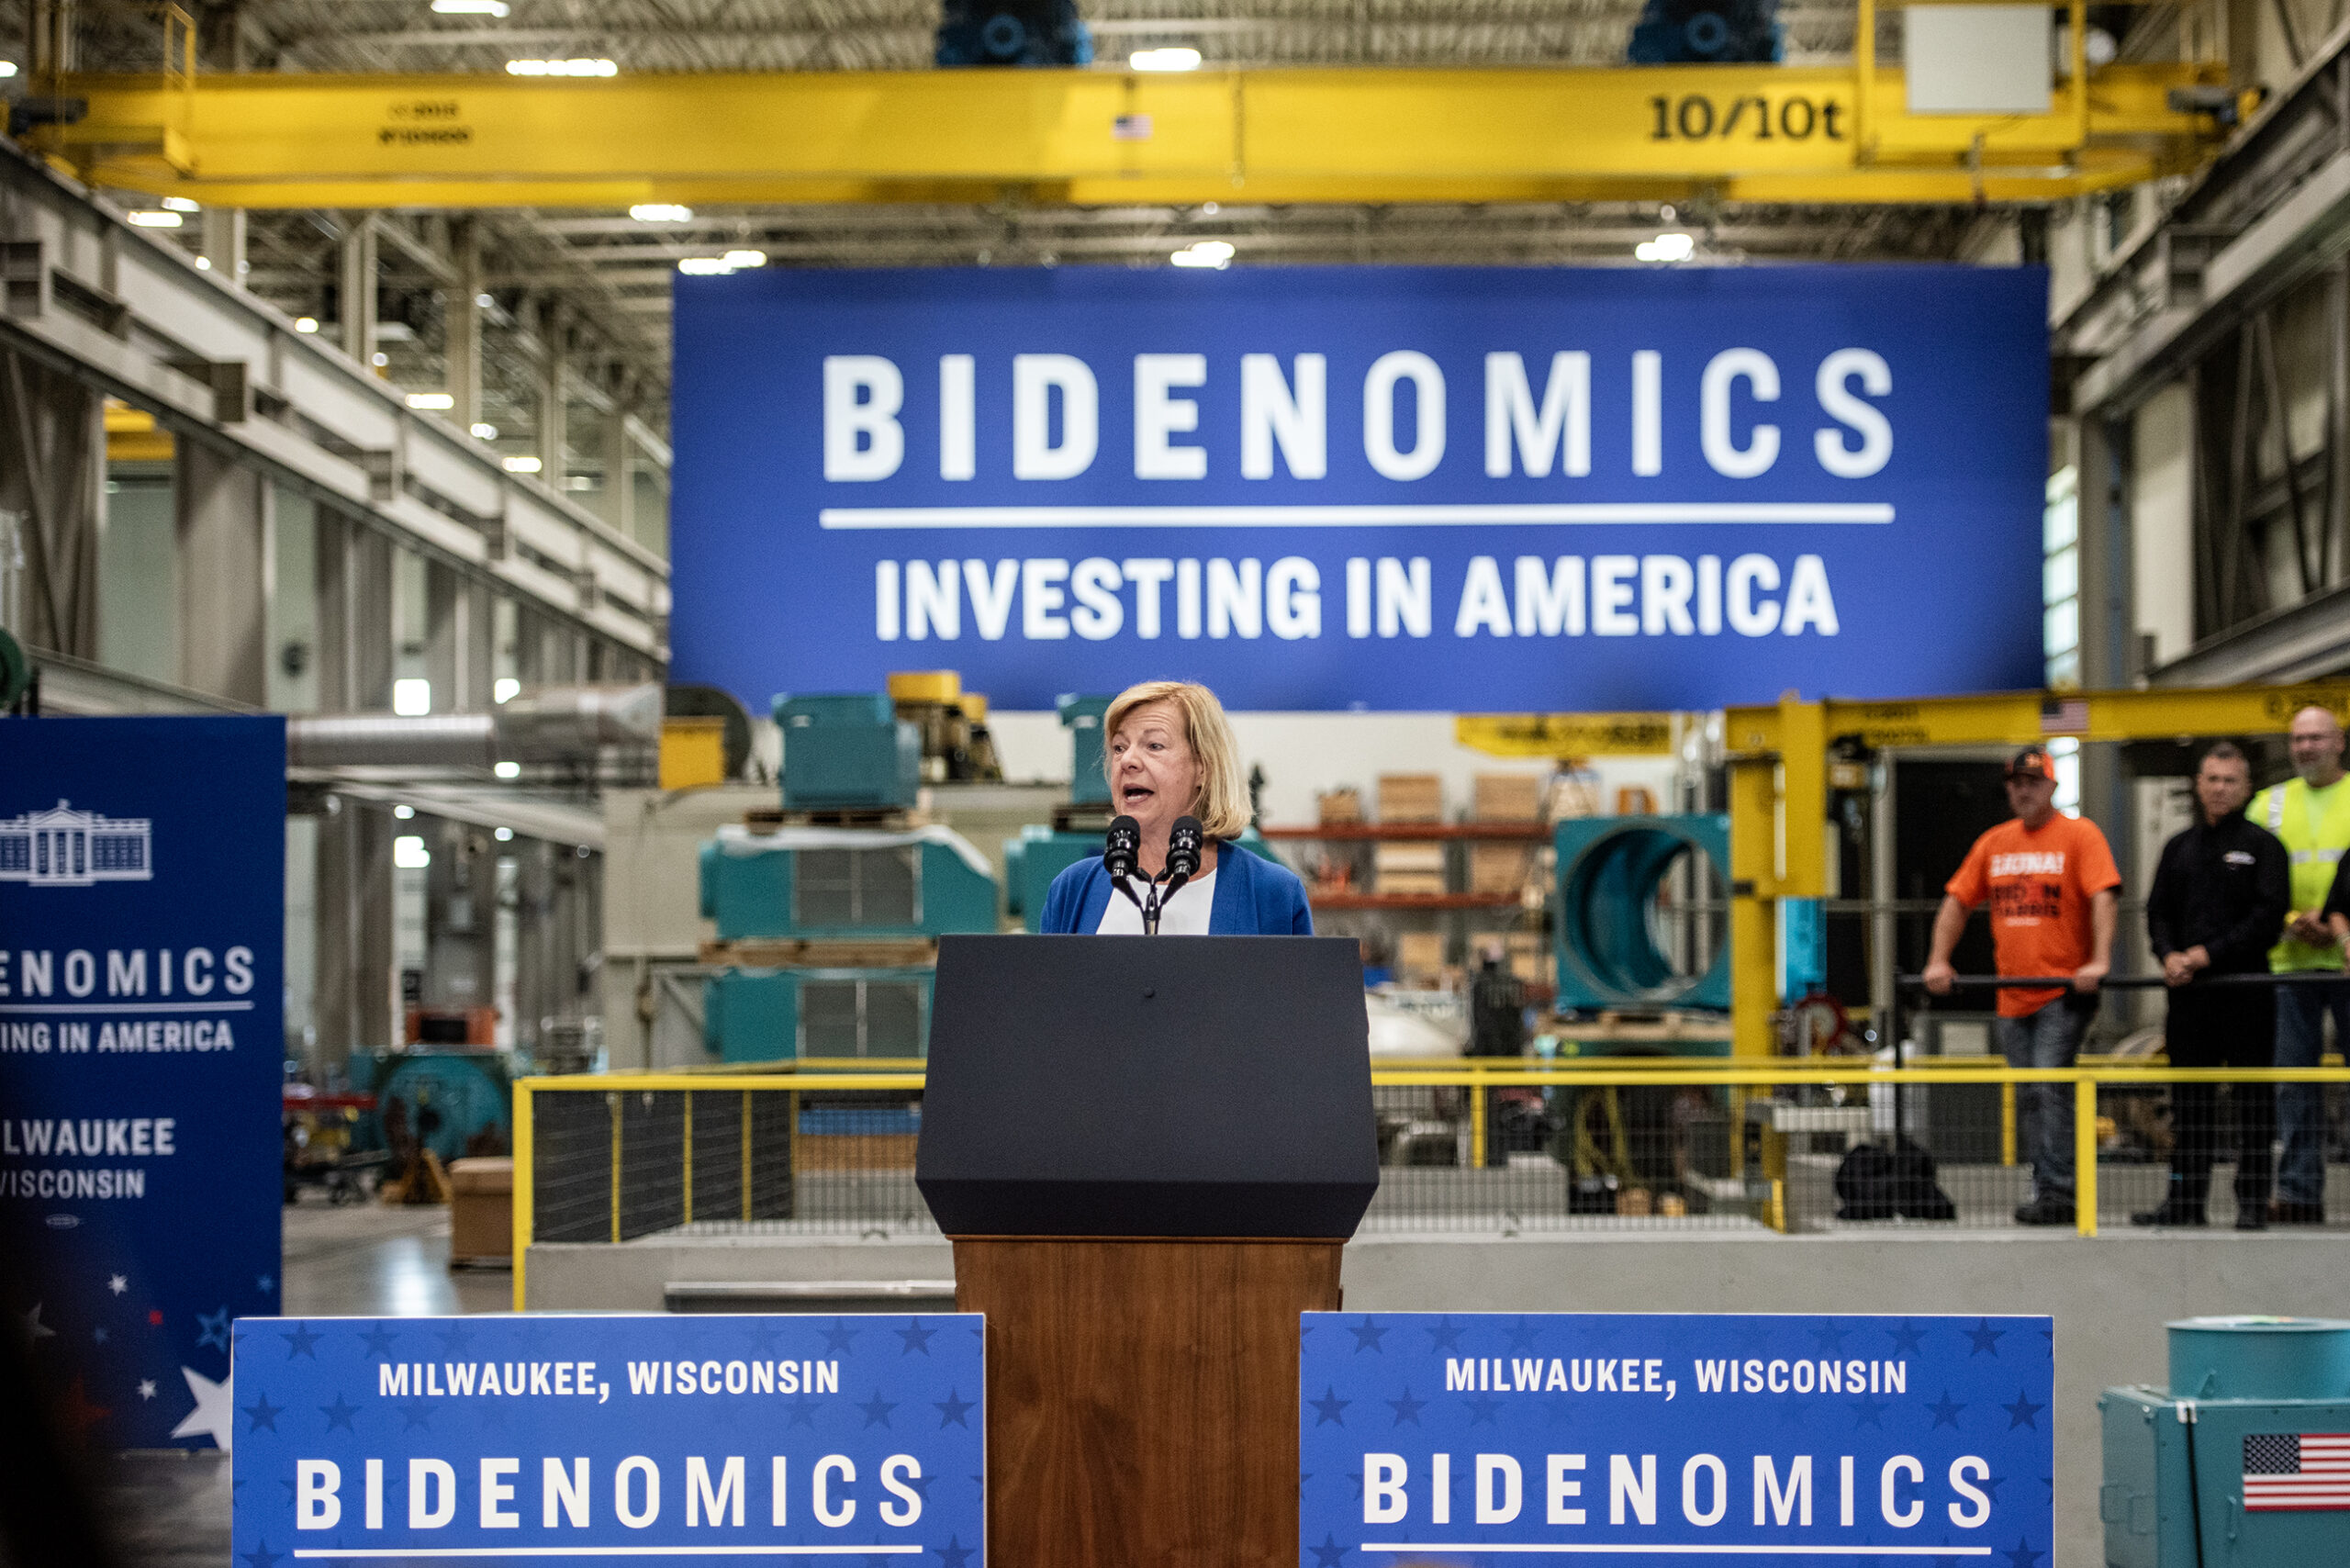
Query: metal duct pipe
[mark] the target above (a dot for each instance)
(550, 724)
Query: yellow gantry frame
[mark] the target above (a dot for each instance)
(1778, 784)
(1791, 134)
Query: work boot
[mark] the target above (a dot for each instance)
(2047, 1209)
(2173, 1211)
(2284, 1211)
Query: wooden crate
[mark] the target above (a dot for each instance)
(1414, 855)
(1506, 798)
(1499, 867)
(1419, 953)
(1416, 883)
(1332, 806)
(1411, 797)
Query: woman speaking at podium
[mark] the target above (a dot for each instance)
(1169, 753)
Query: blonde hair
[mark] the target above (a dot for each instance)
(1223, 806)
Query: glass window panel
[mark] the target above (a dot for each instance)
(2064, 627)
(2060, 576)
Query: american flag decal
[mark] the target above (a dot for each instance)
(2304, 1471)
(2063, 716)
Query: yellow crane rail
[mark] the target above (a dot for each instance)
(1794, 134)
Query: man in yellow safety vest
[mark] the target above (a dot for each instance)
(2312, 815)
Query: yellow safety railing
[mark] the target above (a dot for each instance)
(1477, 1077)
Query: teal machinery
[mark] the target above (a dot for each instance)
(1641, 912)
(1042, 853)
(2242, 1460)
(824, 885)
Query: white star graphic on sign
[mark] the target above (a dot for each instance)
(117, 1284)
(146, 1388)
(215, 1415)
(35, 1328)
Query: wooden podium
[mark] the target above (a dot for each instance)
(1150, 1154)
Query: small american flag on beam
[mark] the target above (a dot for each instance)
(2305, 1471)
(2063, 716)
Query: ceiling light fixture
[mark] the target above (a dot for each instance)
(148, 218)
(410, 854)
(561, 68)
(1215, 253)
(1169, 58)
(1666, 247)
(471, 8)
(484, 432)
(521, 464)
(507, 770)
(431, 400)
(306, 323)
(8, 68)
(179, 204)
(718, 267)
(661, 212)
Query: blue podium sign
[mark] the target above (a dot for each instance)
(1674, 1439)
(143, 917)
(572, 1438)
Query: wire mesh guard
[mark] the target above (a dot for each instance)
(1591, 1151)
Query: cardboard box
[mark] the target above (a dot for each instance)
(1506, 798)
(1411, 797)
(1412, 856)
(1339, 806)
(1419, 953)
(1500, 868)
(481, 1211)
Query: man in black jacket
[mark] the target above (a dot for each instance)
(2221, 896)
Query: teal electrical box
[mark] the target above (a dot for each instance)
(847, 751)
(2244, 1448)
(1082, 717)
(763, 1015)
(1033, 860)
(842, 884)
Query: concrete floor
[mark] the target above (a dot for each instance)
(170, 1508)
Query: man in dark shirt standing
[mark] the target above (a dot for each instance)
(2221, 896)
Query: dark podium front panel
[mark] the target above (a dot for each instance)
(1175, 1086)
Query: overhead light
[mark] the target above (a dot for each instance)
(181, 204)
(203, 263)
(521, 464)
(409, 853)
(1216, 254)
(484, 432)
(505, 690)
(506, 835)
(1671, 246)
(578, 482)
(718, 267)
(8, 68)
(412, 696)
(484, 301)
(471, 8)
(507, 771)
(661, 212)
(147, 218)
(431, 400)
(379, 359)
(561, 68)
(306, 323)
(403, 813)
(1170, 59)
(745, 258)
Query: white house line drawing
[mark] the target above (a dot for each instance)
(66, 848)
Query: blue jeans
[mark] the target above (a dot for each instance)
(2300, 1107)
(2050, 1037)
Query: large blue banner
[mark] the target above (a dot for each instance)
(1367, 487)
(572, 1438)
(142, 889)
(1674, 1439)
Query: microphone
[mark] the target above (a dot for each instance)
(1120, 852)
(1183, 841)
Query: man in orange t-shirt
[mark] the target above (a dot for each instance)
(2050, 880)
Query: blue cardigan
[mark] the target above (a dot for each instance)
(1254, 897)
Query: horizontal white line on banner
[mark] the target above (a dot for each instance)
(1657, 1548)
(157, 1007)
(612, 1551)
(1499, 514)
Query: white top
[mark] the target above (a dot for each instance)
(1186, 913)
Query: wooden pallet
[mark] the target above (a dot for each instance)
(768, 819)
(791, 953)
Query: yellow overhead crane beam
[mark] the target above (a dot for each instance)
(1792, 134)
(1778, 783)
